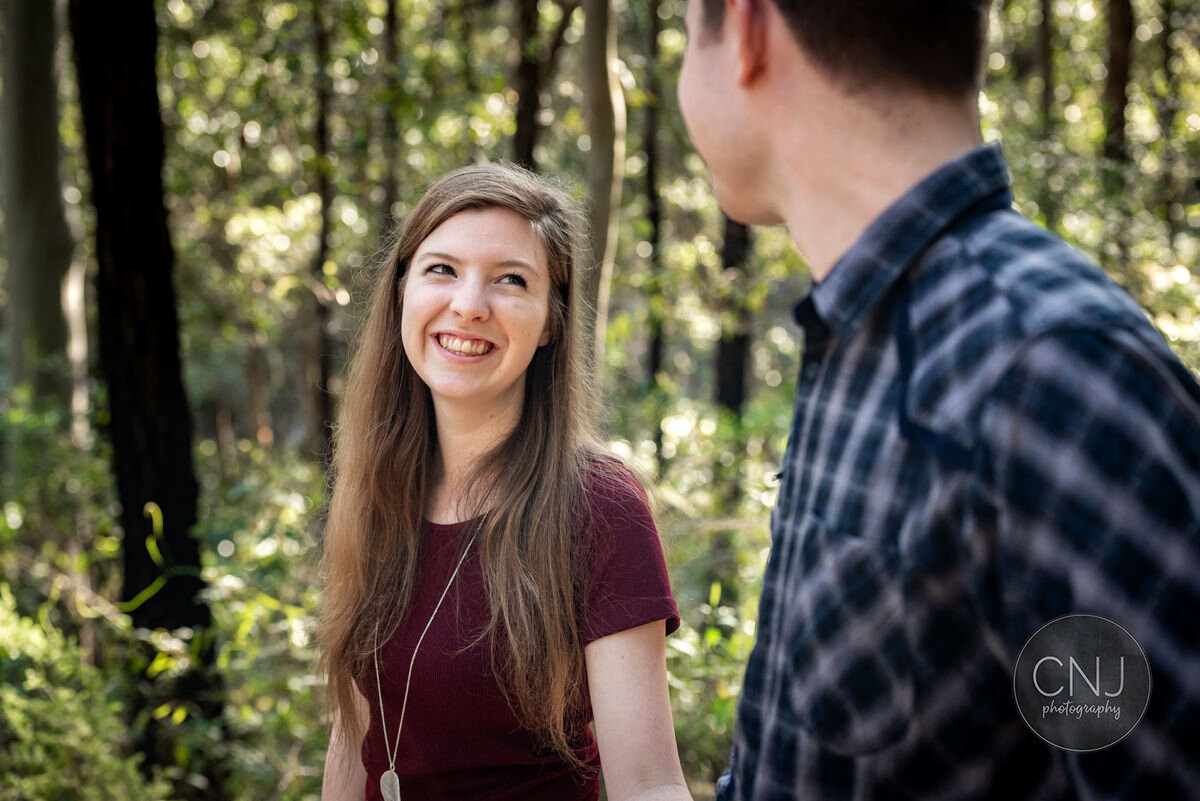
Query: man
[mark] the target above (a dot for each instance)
(988, 435)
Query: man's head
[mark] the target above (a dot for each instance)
(935, 46)
(802, 97)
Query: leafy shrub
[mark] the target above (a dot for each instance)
(260, 532)
(61, 725)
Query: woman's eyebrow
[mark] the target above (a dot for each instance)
(434, 254)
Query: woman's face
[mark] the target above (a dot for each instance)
(476, 308)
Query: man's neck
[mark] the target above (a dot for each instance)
(868, 154)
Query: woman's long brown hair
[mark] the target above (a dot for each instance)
(530, 487)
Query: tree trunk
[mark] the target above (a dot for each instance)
(38, 242)
(732, 363)
(554, 48)
(150, 423)
(320, 362)
(733, 356)
(526, 83)
(604, 106)
(257, 382)
(1045, 58)
(1116, 98)
(465, 25)
(1166, 109)
(733, 351)
(657, 310)
(391, 133)
(1116, 93)
(535, 66)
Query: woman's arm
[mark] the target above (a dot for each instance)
(345, 777)
(627, 677)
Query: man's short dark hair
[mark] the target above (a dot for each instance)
(932, 45)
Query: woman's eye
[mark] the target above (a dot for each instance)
(439, 269)
(513, 278)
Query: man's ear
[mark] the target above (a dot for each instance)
(750, 37)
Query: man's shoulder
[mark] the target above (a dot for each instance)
(983, 293)
(1002, 264)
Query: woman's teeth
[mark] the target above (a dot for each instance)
(464, 347)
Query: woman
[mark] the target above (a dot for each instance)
(492, 581)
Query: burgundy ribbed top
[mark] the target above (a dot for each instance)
(461, 740)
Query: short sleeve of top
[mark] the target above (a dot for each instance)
(627, 584)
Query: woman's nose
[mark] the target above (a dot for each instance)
(470, 300)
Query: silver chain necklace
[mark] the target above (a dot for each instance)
(389, 782)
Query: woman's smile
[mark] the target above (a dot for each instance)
(464, 346)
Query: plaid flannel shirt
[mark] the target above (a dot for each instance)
(988, 434)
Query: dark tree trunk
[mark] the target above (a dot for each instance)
(554, 48)
(391, 133)
(733, 351)
(1166, 108)
(150, 423)
(465, 25)
(733, 354)
(257, 382)
(657, 313)
(151, 426)
(320, 362)
(37, 239)
(535, 66)
(1045, 58)
(526, 83)
(732, 363)
(1116, 86)
(1116, 155)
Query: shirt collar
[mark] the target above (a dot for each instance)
(894, 241)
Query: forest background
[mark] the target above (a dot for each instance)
(195, 194)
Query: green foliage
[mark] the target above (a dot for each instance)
(1138, 218)
(62, 728)
(261, 531)
(261, 545)
(57, 513)
(716, 540)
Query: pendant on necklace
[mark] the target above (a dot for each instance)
(389, 785)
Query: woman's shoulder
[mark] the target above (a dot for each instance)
(611, 486)
(617, 505)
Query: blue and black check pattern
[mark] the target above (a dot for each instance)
(988, 434)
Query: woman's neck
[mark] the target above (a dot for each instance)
(465, 434)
